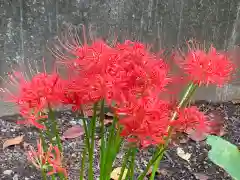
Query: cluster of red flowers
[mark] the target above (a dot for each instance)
(49, 160)
(207, 68)
(116, 73)
(35, 96)
(129, 76)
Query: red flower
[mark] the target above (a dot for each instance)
(54, 160)
(134, 71)
(210, 67)
(35, 95)
(115, 74)
(146, 120)
(82, 91)
(87, 81)
(190, 118)
(33, 120)
(38, 158)
(90, 59)
(49, 160)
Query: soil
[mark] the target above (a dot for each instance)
(14, 164)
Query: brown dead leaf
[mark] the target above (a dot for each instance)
(13, 141)
(116, 173)
(73, 132)
(235, 101)
(109, 114)
(150, 172)
(201, 176)
(215, 126)
(196, 135)
(108, 121)
(216, 123)
(183, 155)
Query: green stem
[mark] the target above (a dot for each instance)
(55, 129)
(183, 102)
(87, 136)
(112, 147)
(156, 165)
(91, 152)
(109, 150)
(103, 143)
(44, 175)
(132, 163)
(125, 160)
(87, 148)
(55, 133)
(83, 162)
(151, 162)
(44, 145)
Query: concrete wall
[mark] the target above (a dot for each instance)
(26, 26)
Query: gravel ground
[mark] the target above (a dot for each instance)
(14, 165)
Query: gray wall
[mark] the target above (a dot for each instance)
(26, 26)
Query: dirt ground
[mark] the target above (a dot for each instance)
(14, 165)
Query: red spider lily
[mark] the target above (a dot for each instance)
(146, 120)
(81, 91)
(210, 67)
(128, 69)
(54, 160)
(87, 82)
(33, 120)
(190, 118)
(91, 59)
(35, 95)
(49, 160)
(38, 158)
(134, 71)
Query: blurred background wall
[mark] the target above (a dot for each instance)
(28, 26)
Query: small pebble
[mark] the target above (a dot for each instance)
(73, 122)
(8, 172)
(15, 177)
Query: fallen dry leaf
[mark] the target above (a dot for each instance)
(215, 127)
(196, 135)
(109, 114)
(108, 121)
(235, 101)
(13, 141)
(150, 172)
(216, 123)
(73, 132)
(201, 176)
(182, 154)
(116, 173)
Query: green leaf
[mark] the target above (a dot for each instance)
(225, 155)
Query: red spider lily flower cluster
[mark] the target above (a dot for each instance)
(49, 160)
(35, 96)
(131, 77)
(115, 73)
(190, 118)
(145, 120)
(206, 68)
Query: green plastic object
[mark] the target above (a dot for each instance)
(225, 155)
